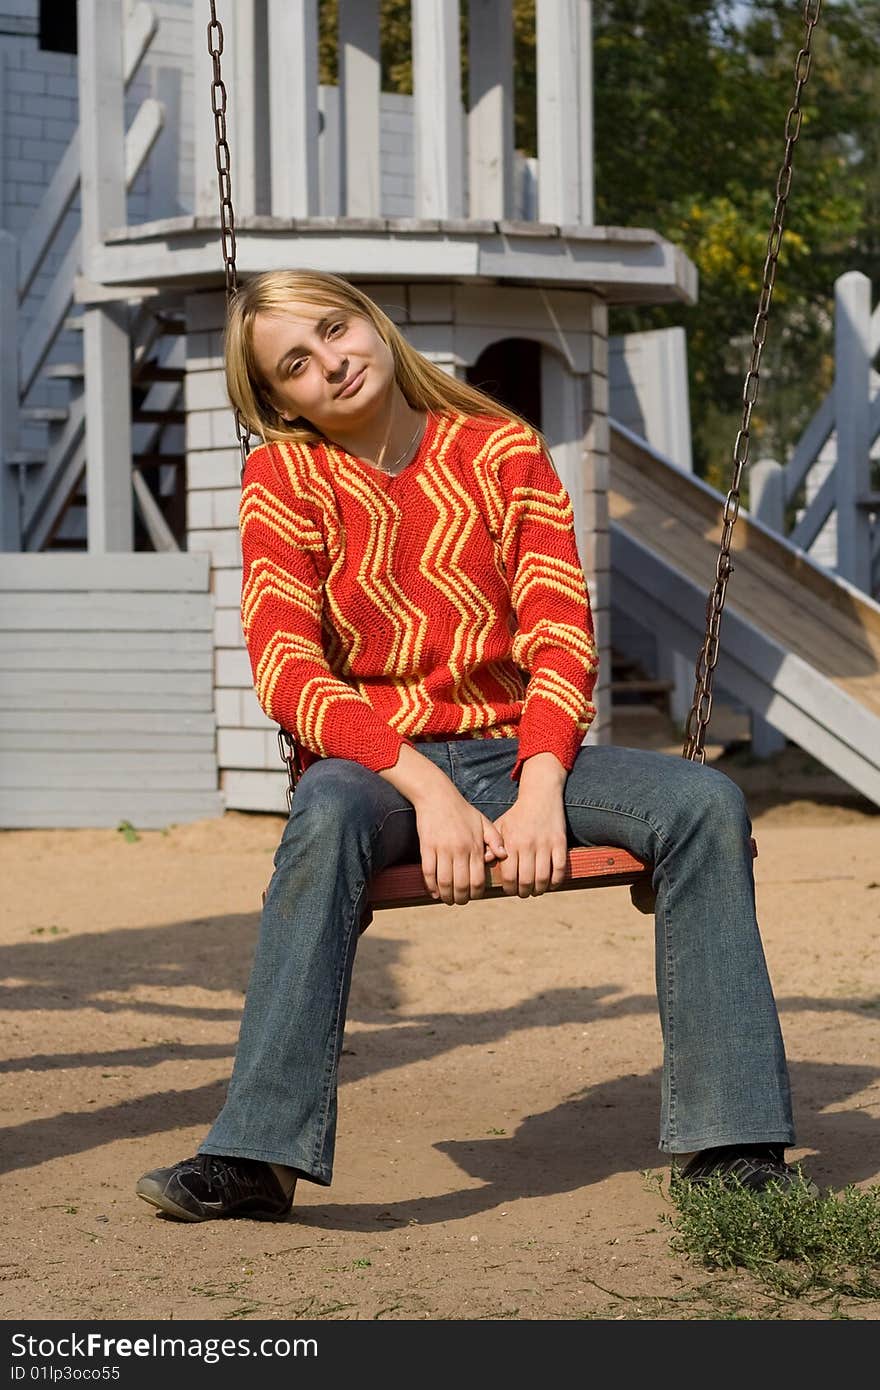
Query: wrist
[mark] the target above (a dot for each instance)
(414, 776)
(542, 772)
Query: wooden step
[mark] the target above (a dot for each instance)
(45, 414)
(65, 371)
(26, 458)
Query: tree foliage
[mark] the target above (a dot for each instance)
(690, 103)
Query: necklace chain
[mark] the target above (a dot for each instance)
(389, 467)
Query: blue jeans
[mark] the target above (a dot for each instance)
(725, 1079)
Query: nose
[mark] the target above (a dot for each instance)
(334, 363)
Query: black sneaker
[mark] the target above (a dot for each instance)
(207, 1187)
(752, 1166)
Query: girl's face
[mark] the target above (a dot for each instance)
(326, 364)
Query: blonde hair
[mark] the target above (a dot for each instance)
(424, 385)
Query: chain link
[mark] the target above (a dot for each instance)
(287, 746)
(698, 718)
(224, 190)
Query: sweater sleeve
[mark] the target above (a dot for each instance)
(282, 605)
(554, 641)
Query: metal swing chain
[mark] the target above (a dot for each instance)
(224, 189)
(701, 710)
(286, 745)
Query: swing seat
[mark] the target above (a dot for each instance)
(402, 885)
(592, 866)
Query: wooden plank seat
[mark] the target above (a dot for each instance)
(402, 885)
(591, 866)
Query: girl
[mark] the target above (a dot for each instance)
(417, 618)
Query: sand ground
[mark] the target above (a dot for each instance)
(499, 1098)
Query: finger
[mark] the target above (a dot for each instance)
(543, 870)
(493, 838)
(429, 874)
(461, 878)
(478, 875)
(526, 875)
(560, 864)
(445, 879)
(509, 872)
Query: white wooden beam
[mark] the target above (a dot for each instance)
(293, 102)
(490, 115)
(360, 84)
(249, 107)
(10, 507)
(852, 407)
(102, 122)
(205, 167)
(106, 350)
(565, 111)
(437, 92)
(562, 421)
(105, 337)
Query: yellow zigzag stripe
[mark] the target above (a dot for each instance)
(316, 699)
(535, 571)
(549, 685)
(259, 505)
(509, 438)
(537, 508)
(266, 581)
(416, 706)
(281, 649)
(573, 640)
(306, 481)
(408, 623)
(441, 567)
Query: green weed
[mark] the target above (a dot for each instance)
(128, 832)
(795, 1244)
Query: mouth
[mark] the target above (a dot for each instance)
(351, 385)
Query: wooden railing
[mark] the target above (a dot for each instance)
(850, 415)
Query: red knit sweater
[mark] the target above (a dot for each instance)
(445, 602)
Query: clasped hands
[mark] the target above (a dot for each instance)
(528, 842)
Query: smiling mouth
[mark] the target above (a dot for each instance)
(351, 385)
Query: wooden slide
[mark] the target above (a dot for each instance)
(798, 645)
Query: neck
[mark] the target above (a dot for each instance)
(385, 436)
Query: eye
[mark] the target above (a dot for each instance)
(337, 328)
(296, 366)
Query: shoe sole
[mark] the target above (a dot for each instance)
(151, 1192)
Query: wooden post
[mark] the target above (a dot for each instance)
(10, 507)
(767, 503)
(105, 336)
(490, 118)
(293, 106)
(244, 63)
(852, 411)
(360, 85)
(205, 165)
(562, 420)
(437, 91)
(249, 102)
(565, 111)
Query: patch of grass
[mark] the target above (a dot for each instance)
(128, 832)
(796, 1245)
